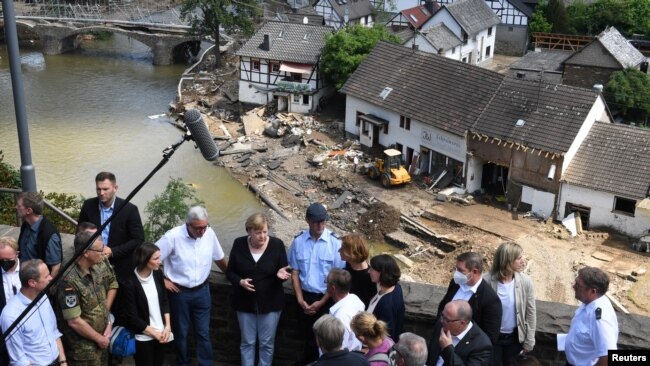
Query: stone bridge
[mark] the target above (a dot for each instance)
(58, 38)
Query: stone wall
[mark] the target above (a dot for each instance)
(421, 306)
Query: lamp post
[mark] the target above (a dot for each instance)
(27, 172)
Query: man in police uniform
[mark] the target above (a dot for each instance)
(312, 255)
(594, 327)
(85, 296)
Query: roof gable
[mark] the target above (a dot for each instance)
(473, 15)
(356, 8)
(609, 46)
(290, 42)
(418, 15)
(552, 114)
(441, 37)
(613, 158)
(432, 89)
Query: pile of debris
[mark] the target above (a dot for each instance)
(379, 220)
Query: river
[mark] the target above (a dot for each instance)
(88, 112)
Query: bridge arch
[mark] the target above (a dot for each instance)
(58, 38)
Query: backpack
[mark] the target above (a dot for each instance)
(388, 357)
(122, 342)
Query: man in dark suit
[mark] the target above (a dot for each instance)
(460, 342)
(468, 285)
(124, 233)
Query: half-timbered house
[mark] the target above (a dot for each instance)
(338, 13)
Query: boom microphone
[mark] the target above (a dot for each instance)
(201, 135)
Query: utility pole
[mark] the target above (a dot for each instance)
(27, 172)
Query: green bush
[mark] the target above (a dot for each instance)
(168, 209)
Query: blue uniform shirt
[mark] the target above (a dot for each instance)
(315, 259)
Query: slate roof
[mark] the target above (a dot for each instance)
(527, 9)
(291, 42)
(618, 46)
(404, 34)
(444, 93)
(298, 15)
(441, 37)
(538, 61)
(553, 114)
(473, 15)
(613, 158)
(358, 8)
(418, 15)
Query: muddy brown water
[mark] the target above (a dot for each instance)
(88, 111)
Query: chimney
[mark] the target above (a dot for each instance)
(429, 4)
(521, 75)
(266, 45)
(415, 47)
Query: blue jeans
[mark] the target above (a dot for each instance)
(255, 326)
(191, 305)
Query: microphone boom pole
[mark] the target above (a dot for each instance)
(167, 153)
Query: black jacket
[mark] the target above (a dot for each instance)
(269, 294)
(342, 358)
(136, 309)
(45, 231)
(474, 349)
(486, 308)
(390, 309)
(125, 235)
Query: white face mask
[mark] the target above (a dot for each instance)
(460, 278)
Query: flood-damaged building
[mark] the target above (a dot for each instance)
(281, 61)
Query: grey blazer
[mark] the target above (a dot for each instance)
(525, 305)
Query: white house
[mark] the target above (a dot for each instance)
(526, 138)
(281, 62)
(338, 13)
(413, 18)
(474, 23)
(608, 181)
(512, 33)
(402, 98)
(437, 39)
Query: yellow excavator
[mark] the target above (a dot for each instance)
(389, 169)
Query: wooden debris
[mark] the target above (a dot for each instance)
(617, 304)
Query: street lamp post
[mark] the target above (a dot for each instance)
(27, 172)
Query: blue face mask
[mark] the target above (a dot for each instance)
(460, 279)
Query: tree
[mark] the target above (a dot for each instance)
(556, 15)
(347, 48)
(538, 22)
(168, 209)
(207, 17)
(628, 91)
(9, 178)
(579, 17)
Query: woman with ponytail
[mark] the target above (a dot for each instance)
(373, 334)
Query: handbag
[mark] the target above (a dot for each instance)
(122, 342)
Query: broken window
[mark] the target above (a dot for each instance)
(624, 205)
(359, 114)
(305, 99)
(366, 130)
(296, 77)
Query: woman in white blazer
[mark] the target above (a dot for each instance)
(517, 295)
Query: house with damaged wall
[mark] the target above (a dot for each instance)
(525, 139)
(608, 181)
(475, 128)
(281, 62)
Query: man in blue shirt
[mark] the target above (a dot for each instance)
(313, 253)
(39, 238)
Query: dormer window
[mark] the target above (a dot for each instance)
(384, 93)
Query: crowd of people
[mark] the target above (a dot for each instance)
(352, 306)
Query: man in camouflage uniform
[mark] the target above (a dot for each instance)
(85, 296)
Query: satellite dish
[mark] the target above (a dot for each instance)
(305, 20)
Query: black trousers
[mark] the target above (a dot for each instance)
(149, 353)
(310, 351)
(506, 349)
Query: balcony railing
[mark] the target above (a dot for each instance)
(293, 87)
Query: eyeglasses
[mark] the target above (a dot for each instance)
(394, 348)
(96, 250)
(447, 320)
(200, 228)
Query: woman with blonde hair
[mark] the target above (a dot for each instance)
(373, 333)
(256, 268)
(354, 251)
(517, 295)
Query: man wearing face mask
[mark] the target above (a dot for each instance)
(9, 280)
(468, 285)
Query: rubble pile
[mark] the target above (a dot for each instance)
(379, 220)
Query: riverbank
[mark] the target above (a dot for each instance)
(303, 159)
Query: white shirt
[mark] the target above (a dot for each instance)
(34, 340)
(375, 300)
(344, 310)
(188, 261)
(11, 282)
(455, 340)
(465, 292)
(506, 292)
(590, 338)
(151, 292)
